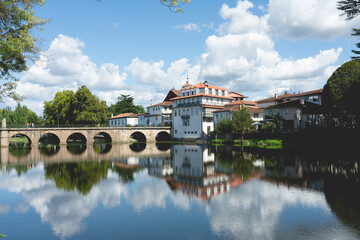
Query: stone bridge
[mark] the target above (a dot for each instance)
(87, 134)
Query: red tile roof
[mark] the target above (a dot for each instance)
(124, 115)
(201, 94)
(202, 85)
(290, 95)
(165, 103)
(245, 102)
(236, 95)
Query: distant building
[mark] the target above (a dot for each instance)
(313, 96)
(123, 120)
(159, 114)
(251, 106)
(298, 114)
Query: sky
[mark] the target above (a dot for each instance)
(253, 47)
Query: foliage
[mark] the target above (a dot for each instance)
(17, 42)
(20, 117)
(175, 5)
(269, 127)
(225, 127)
(340, 96)
(126, 174)
(277, 119)
(81, 176)
(80, 107)
(242, 123)
(125, 104)
(351, 9)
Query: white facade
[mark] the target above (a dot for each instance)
(157, 115)
(122, 120)
(193, 111)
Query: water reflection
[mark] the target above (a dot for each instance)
(76, 149)
(255, 195)
(49, 149)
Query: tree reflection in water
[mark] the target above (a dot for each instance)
(49, 149)
(102, 147)
(125, 173)
(76, 148)
(81, 176)
(138, 146)
(234, 160)
(19, 149)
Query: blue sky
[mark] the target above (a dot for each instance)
(256, 48)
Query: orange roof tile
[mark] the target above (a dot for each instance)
(124, 115)
(164, 103)
(201, 94)
(245, 102)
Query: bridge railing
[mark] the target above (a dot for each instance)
(68, 126)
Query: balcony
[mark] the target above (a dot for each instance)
(185, 116)
(188, 104)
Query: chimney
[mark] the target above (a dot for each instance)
(302, 101)
(286, 92)
(206, 83)
(276, 96)
(112, 115)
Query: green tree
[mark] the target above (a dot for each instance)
(340, 96)
(81, 107)
(269, 127)
(125, 104)
(277, 119)
(20, 116)
(17, 41)
(242, 123)
(225, 128)
(351, 9)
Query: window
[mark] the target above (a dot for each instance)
(256, 115)
(192, 112)
(185, 122)
(175, 113)
(175, 133)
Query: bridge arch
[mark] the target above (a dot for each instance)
(138, 136)
(76, 137)
(49, 138)
(102, 137)
(20, 134)
(163, 136)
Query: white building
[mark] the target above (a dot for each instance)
(123, 120)
(192, 115)
(159, 114)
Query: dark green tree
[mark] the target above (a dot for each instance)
(81, 176)
(341, 98)
(242, 123)
(17, 41)
(225, 127)
(125, 104)
(351, 9)
(81, 107)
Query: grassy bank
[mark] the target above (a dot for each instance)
(258, 143)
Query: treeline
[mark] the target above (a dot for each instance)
(71, 108)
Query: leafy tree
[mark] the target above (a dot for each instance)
(175, 5)
(340, 96)
(269, 127)
(81, 107)
(81, 176)
(125, 104)
(20, 116)
(351, 9)
(224, 127)
(277, 119)
(242, 123)
(17, 42)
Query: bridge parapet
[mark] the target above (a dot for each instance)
(117, 134)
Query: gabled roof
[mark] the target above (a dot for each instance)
(172, 94)
(235, 108)
(290, 95)
(125, 115)
(307, 107)
(236, 95)
(243, 102)
(165, 103)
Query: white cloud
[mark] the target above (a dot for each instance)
(297, 19)
(190, 27)
(115, 25)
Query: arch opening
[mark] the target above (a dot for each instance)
(49, 138)
(138, 137)
(163, 146)
(76, 138)
(19, 140)
(102, 137)
(163, 136)
(49, 149)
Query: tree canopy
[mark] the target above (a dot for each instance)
(125, 104)
(351, 9)
(17, 42)
(242, 123)
(340, 96)
(81, 107)
(20, 116)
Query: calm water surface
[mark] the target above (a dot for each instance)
(148, 191)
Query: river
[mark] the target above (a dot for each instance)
(174, 191)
